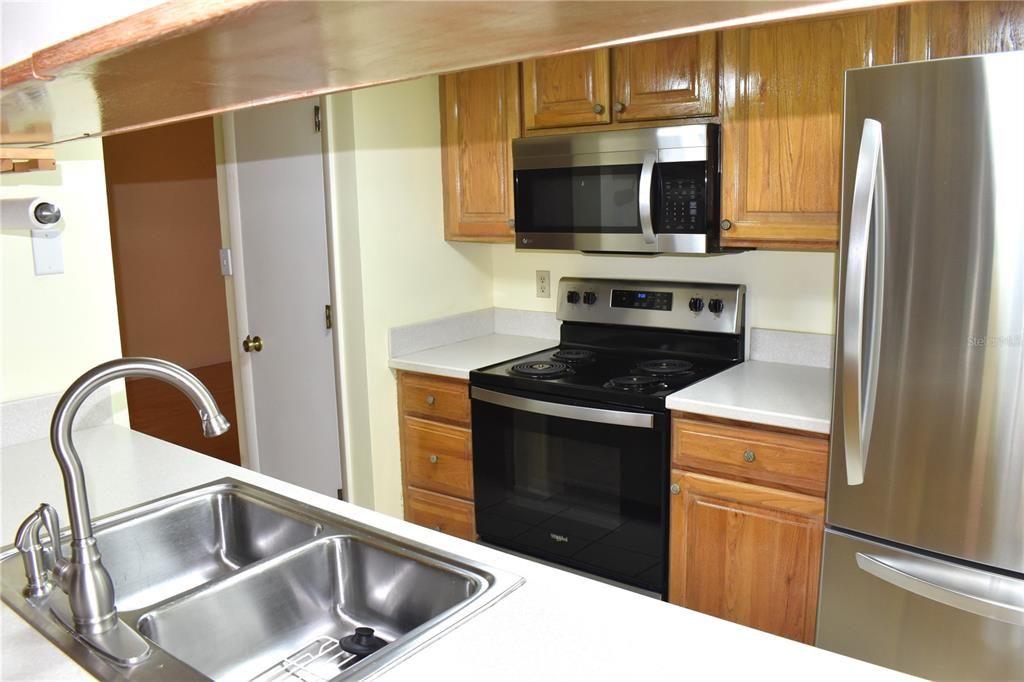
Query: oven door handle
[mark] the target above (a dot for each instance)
(588, 414)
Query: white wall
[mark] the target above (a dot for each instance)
(386, 145)
(791, 291)
(30, 25)
(54, 327)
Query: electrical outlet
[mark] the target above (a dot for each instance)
(543, 284)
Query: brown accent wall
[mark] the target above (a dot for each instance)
(165, 236)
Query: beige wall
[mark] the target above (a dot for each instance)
(790, 291)
(389, 138)
(54, 327)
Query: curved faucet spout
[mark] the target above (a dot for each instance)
(83, 577)
(214, 423)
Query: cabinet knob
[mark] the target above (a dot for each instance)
(431, 399)
(749, 456)
(675, 488)
(437, 527)
(433, 459)
(511, 222)
(726, 224)
(598, 108)
(618, 107)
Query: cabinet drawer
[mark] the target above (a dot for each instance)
(773, 458)
(434, 397)
(437, 457)
(440, 512)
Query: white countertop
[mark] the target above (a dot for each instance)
(771, 393)
(556, 626)
(457, 359)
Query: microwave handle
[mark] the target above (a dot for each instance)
(644, 197)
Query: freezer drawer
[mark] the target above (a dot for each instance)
(917, 614)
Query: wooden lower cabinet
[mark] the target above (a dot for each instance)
(437, 453)
(441, 513)
(746, 553)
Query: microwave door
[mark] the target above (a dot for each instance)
(586, 208)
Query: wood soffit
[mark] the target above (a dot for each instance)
(192, 58)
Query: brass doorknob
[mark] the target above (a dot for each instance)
(252, 344)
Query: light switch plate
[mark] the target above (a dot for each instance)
(543, 284)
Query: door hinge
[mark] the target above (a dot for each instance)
(316, 117)
(328, 319)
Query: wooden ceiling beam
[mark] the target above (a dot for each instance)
(192, 58)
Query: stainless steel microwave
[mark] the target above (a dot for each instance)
(648, 190)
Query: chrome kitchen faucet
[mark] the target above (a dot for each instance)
(91, 612)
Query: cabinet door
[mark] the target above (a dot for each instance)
(746, 553)
(671, 78)
(479, 119)
(782, 112)
(956, 29)
(566, 90)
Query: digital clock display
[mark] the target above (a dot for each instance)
(644, 300)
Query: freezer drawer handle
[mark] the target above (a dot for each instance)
(859, 387)
(962, 588)
(589, 414)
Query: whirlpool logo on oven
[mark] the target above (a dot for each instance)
(558, 538)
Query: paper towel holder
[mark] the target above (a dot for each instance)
(42, 219)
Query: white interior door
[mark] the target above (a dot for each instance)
(275, 183)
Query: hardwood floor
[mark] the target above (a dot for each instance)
(161, 411)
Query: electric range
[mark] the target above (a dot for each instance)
(571, 454)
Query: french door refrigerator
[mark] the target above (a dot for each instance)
(923, 563)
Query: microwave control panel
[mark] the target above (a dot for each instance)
(681, 207)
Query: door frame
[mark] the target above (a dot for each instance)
(232, 238)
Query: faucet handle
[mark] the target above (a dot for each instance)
(30, 545)
(52, 523)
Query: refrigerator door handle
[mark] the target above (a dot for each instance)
(988, 595)
(859, 389)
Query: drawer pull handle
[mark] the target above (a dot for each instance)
(433, 459)
(749, 456)
(431, 399)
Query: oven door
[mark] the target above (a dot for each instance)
(574, 483)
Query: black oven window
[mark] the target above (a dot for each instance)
(585, 199)
(586, 494)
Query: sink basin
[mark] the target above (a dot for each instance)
(181, 546)
(320, 593)
(231, 581)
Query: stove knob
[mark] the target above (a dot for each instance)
(572, 297)
(716, 306)
(589, 297)
(696, 304)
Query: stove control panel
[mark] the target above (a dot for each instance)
(646, 300)
(669, 305)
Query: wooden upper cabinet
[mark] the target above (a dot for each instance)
(782, 111)
(957, 29)
(479, 119)
(672, 78)
(566, 90)
(746, 553)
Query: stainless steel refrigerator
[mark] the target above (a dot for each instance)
(923, 564)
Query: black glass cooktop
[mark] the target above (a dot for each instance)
(635, 378)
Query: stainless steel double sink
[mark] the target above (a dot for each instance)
(231, 581)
